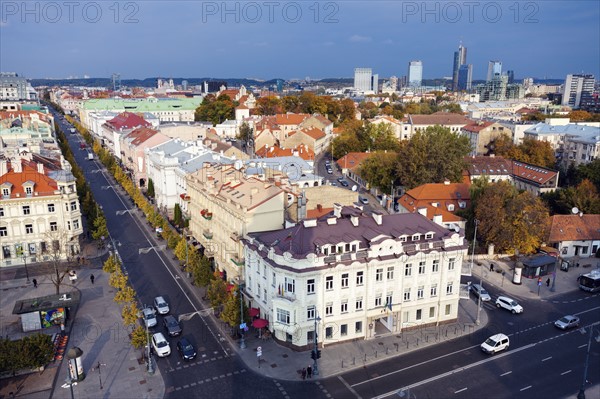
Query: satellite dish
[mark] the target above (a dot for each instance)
(354, 187)
(238, 164)
(575, 210)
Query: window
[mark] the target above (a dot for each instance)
(436, 266)
(407, 295)
(274, 280)
(28, 190)
(68, 225)
(310, 313)
(3, 232)
(329, 332)
(5, 192)
(329, 309)
(264, 295)
(432, 312)
(428, 236)
(344, 307)
(283, 316)
(344, 330)
(359, 278)
(1, 212)
(345, 280)
(43, 247)
(329, 283)
(290, 285)
(265, 274)
(451, 263)
(258, 289)
(378, 300)
(28, 229)
(389, 300)
(310, 286)
(448, 309)
(408, 269)
(416, 237)
(390, 273)
(379, 275)
(51, 208)
(76, 224)
(421, 267)
(359, 303)
(6, 251)
(434, 290)
(358, 327)
(420, 292)
(73, 205)
(26, 210)
(419, 314)
(449, 289)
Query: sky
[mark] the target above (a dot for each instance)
(295, 39)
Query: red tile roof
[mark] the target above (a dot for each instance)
(574, 228)
(439, 118)
(302, 151)
(127, 120)
(352, 160)
(476, 127)
(44, 185)
(140, 135)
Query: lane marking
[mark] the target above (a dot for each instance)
(349, 387)
(507, 373)
(566, 372)
(548, 358)
(524, 389)
(581, 346)
(461, 390)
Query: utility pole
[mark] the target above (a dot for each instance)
(242, 326)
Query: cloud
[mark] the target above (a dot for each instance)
(360, 39)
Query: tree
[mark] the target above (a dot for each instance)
(215, 110)
(125, 295)
(217, 291)
(583, 197)
(246, 133)
(100, 229)
(182, 249)
(579, 116)
(117, 279)
(379, 170)
(150, 191)
(231, 309)
(347, 110)
(61, 255)
(269, 105)
(178, 216)
(111, 265)
(139, 337)
(201, 271)
(432, 156)
(130, 314)
(590, 171)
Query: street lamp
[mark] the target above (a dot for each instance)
(316, 348)
(242, 324)
(99, 373)
(148, 352)
(581, 394)
(478, 321)
(26, 271)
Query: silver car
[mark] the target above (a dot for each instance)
(480, 292)
(566, 322)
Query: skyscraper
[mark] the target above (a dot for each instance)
(494, 68)
(363, 79)
(465, 77)
(511, 76)
(460, 58)
(415, 73)
(578, 90)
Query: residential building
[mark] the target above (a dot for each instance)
(578, 90)
(113, 130)
(15, 88)
(133, 146)
(465, 77)
(365, 81)
(498, 89)
(40, 216)
(349, 164)
(303, 151)
(419, 123)
(460, 59)
(482, 133)
(575, 235)
(225, 205)
(415, 73)
(494, 70)
(395, 124)
(353, 274)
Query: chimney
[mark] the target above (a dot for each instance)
(337, 210)
(422, 210)
(17, 166)
(3, 167)
(437, 219)
(310, 222)
(378, 217)
(331, 220)
(446, 182)
(354, 220)
(40, 168)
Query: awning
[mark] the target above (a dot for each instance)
(260, 323)
(253, 312)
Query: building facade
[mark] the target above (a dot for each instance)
(578, 90)
(460, 59)
(353, 274)
(15, 88)
(415, 73)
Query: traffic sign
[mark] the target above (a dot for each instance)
(259, 351)
(243, 326)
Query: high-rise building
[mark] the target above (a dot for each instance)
(460, 58)
(494, 69)
(578, 90)
(415, 73)
(465, 77)
(498, 89)
(511, 76)
(15, 88)
(364, 80)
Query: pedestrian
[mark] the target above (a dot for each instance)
(491, 267)
(92, 278)
(548, 282)
(309, 371)
(34, 281)
(304, 374)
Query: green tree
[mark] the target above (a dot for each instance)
(379, 170)
(150, 190)
(182, 249)
(215, 110)
(201, 271)
(217, 292)
(100, 229)
(432, 157)
(269, 105)
(583, 197)
(231, 310)
(590, 171)
(111, 265)
(246, 133)
(178, 216)
(37, 350)
(139, 337)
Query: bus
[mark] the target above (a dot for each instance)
(590, 281)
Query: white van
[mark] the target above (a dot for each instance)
(495, 343)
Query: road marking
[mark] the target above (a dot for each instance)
(524, 389)
(507, 373)
(566, 372)
(581, 346)
(349, 387)
(548, 358)
(461, 390)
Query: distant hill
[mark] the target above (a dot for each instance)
(148, 82)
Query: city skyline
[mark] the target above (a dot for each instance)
(297, 39)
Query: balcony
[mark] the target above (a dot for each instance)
(185, 197)
(206, 214)
(207, 234)
(235, 237)
(289, 296)
(238, 261)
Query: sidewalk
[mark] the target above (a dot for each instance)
(95, 327)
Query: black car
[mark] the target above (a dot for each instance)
(344, 183)
(172, 325)
(186, 349)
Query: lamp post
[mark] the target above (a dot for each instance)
(70, 382)
(148, 352)
(392, 197)
(316, 348)
(99, 373)
(26, 271)
(581, 394)
(242, 324)
(477, 321)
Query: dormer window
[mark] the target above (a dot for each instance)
(451, 207)
(29, 190)
(325, 251)
(403, 239)
(428, 236)
(6, 192)
(416, 237)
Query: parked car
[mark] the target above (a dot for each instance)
(172, 325)
(495, 343)
(340, 179)
(162, 307)
(509, 304)
(566, 322)
(363, 200)
(480, 292)
(186, 349)
(329, 170)
(149, 317)
(161, 345)
(344, 183)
